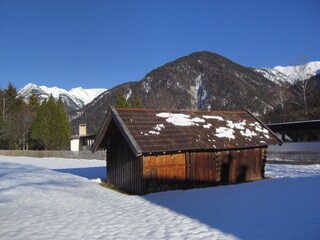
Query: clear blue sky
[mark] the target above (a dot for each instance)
(102, 43)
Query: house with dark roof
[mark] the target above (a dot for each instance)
(83, 141)
(152, 150)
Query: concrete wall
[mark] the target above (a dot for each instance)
(100, 155)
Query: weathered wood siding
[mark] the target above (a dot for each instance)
(191, 169)
(124, 170)
(226, 166)
(161, 171)
(242, 165)
(203, 167)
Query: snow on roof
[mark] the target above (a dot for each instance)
(181, 130)
(179, 119)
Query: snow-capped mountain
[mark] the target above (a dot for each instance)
(201, 80)
(74, 99)
(290, 73)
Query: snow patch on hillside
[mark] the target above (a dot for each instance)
(272, 74)
(198, 92)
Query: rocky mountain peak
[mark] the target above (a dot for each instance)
(201, 80)
(73, 99)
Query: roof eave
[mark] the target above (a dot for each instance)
(265, 126)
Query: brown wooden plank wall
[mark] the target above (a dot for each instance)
(242, 165)
(164, 169)
(202, 167)
(124, 170)
(225, 166)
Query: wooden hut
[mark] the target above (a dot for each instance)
(153, 150)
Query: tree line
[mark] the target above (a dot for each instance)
(32, 124)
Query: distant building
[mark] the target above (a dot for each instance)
(154, 150)
(82, 142)
(82, 129)
(300, 131)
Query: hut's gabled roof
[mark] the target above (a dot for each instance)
(156, 131)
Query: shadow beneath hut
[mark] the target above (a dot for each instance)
(268, 209)
(88, 172)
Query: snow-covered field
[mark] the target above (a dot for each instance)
(53, 198)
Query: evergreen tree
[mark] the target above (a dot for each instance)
(11, 91)
(40, 128)
(34, 102)
(11, 102)
(64, 126)
(45, 124)
(136, 102)
(51, 129)
(121, 101)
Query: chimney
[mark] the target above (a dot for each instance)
(82, 129)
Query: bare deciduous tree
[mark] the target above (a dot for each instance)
(281, 95)
(301, 88)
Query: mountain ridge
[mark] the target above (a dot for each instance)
(290, 73)
(74, 99)
(201, 80)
